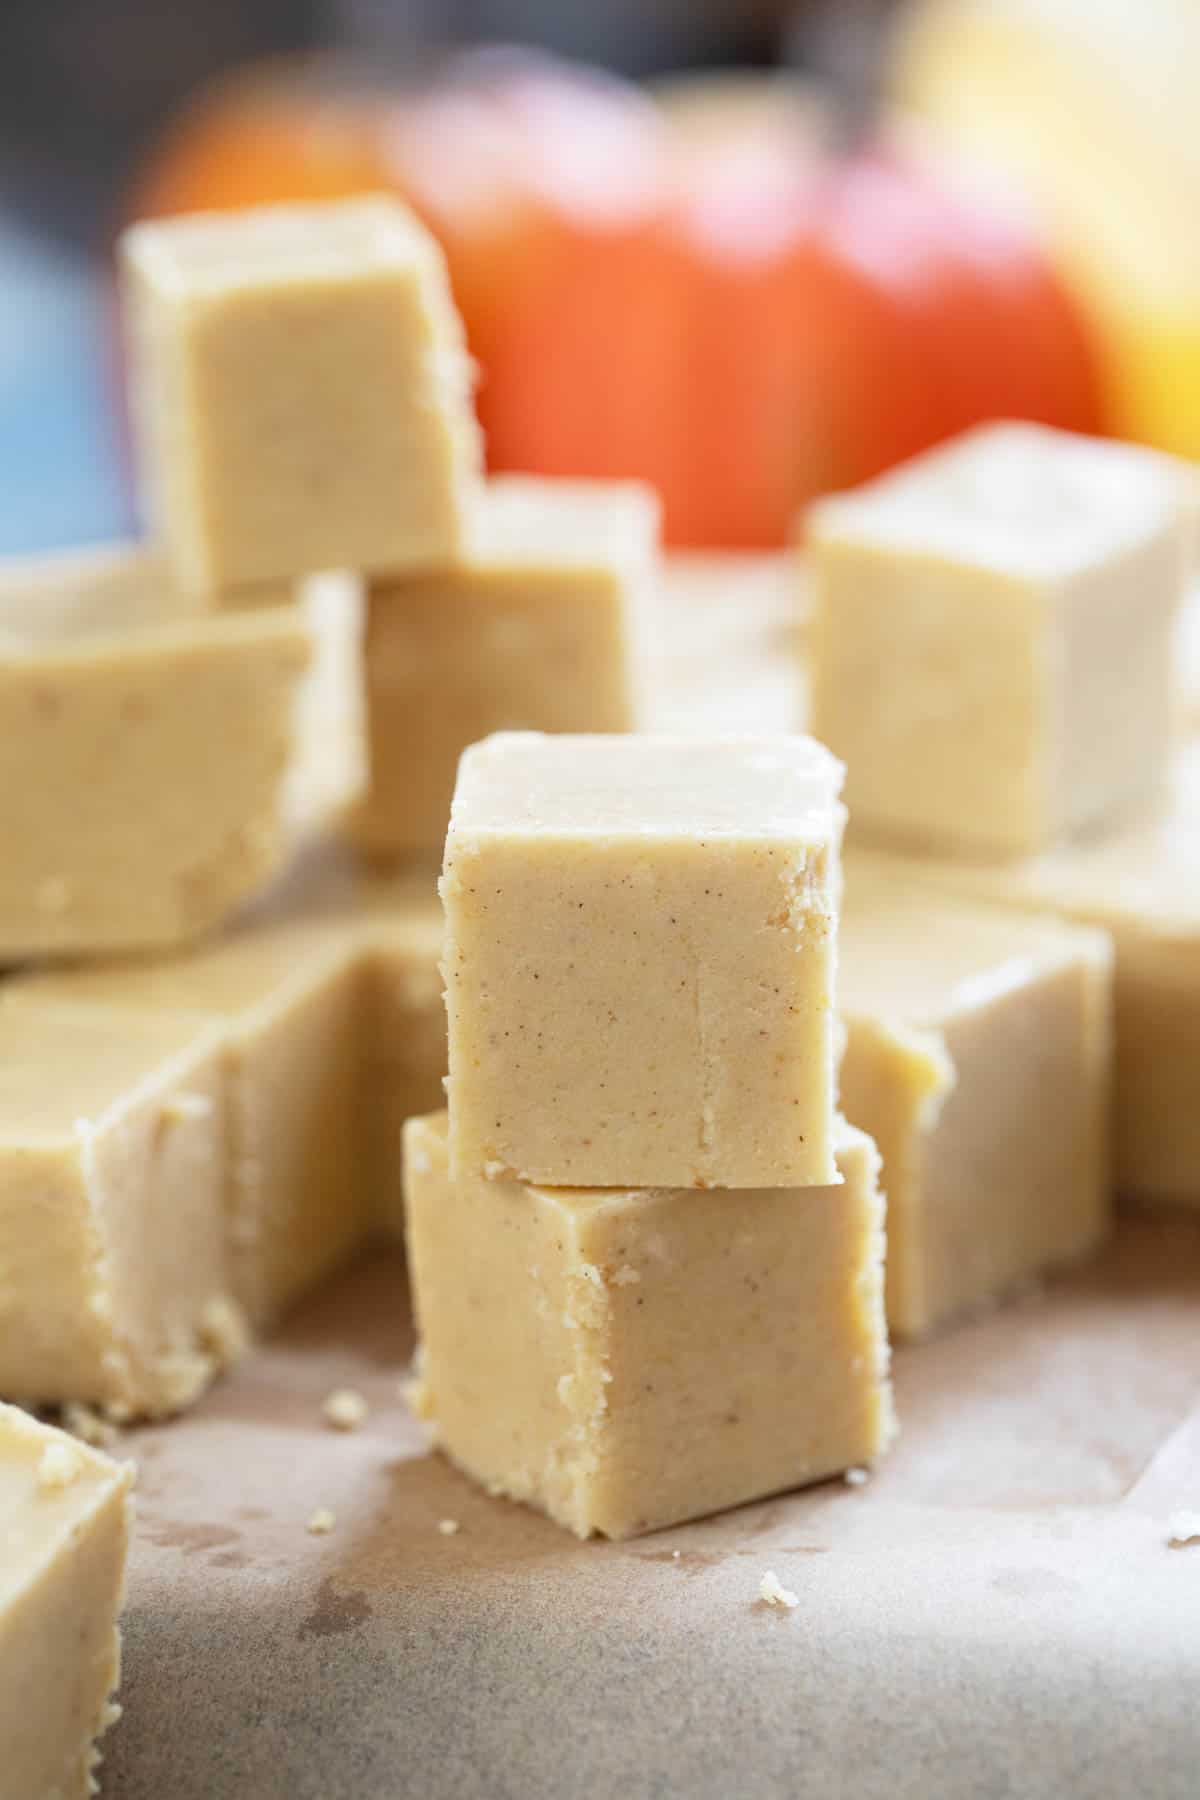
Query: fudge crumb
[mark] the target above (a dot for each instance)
(60, 1465)
(82, 1422)
(322, 1522)
(223, 1329)
(1183, 1527)
(181, 1107)
(773, 1592)
(856, 1477)
(345, 1409)
(449, 1527)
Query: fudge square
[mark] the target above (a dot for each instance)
(992, 642)
(64, 1526)
(114, 1276)
(286, 996)
(640, 954)
(978, 1056)
(627, 1360)
(1142, 885)
(145, 751)
(540, 626)
(301, 391)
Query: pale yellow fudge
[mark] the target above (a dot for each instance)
(301, 391)
(145, 751)
(115, 1284)
(64, 593)
(1141, 884)
(543, 625)
(992, 638)
(627, 1360)
(285, 999)
(978, 1056)
(406, 1030)
(727, 647)
(640, 954)
(327, 776)
(64, 1537)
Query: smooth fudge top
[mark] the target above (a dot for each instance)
(63, 1071)
(70, 595)
(1142, 879)
(522, 520)
(1019, 500)
(325, 240)
(527, 783)
(918, 956)
(81, 606)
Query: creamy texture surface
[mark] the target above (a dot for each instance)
(979, 1056)
(590, 786)
(1019, 499)
(992, 643)
(64, 1528)
(627, 1360)
(1142, 884)
(639, 960)
(115, 1277)
(301, 391)
(144, 755)
(542, 625)
(326, 1018)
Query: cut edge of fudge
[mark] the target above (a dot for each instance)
(592, 1281)
(62, 1590)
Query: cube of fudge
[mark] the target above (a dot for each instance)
(639, 960)
(627, 1360)
(144, 756)
(540, 626)
(978, 1056)
(114, 1274)
(992, 638)
(1142, 885)
(301, 391)
(64, 1527)
(65, 594)
(285, 999)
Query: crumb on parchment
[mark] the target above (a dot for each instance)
(59, 1466)
(1183, 1527)
(86, 1424)
(773, 1592)
(449, 1527)
(322, 1521)
(345, 1409)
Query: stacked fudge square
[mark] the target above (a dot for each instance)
(992, 657)
(646, 1253)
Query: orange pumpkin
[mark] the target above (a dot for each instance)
(697, 296)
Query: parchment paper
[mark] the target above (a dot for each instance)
(997, 1613)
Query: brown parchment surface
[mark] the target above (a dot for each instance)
(997, 1613)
